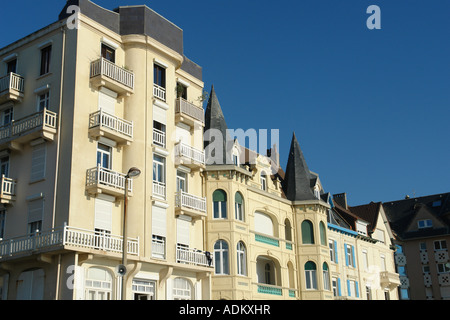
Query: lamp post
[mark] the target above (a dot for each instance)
(132, 173)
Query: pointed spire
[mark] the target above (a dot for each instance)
(296, 184)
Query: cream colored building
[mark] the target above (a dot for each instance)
(81, 104)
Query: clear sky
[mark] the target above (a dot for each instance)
(370, 108)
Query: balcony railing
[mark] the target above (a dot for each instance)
(105, 68)
(186, 108)
(158, 248)
(159, 189)
(189, 201)
(194, 256)
(45, 120)
(67, 236)
(389, 279)
(100, 177)
(115, 126)
(192, 155)
(159, 92)
(444, 279)
(159, 138)
(11, 81)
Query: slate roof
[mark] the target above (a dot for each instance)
(369, 213)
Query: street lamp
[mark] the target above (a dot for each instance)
(132, 173)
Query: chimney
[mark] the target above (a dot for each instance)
(341, 199)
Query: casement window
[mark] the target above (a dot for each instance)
(2, 223)
(383, 262)
(182, 181)
(159, 231)
(426, 223)
(159, 134)
(45, 60)
(353, 288)
(311, 275)
(426, 268)
(4, 166)
(219, 204)
(38, 162)
(368, 293)
(326, 277)
(104, 158)
(182, 289)
(350, 255)
(365, 259)
(287, 230)
(7, 116)
(35, 215)
(221, 256)
(239, 206)
(159, 74)
(263, 181)
(43, 101)
(323, 233)
(159, 172)
(235, 160)
(143, 289)
(307, 232)
(332, 244)
(11, 66)
(334, 287)
(108, 53)
(241, 259)
(440, 245)
(443, 267)
(423, 246)
(98, 284)
(181, 91)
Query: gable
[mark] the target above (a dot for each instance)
(424, 218)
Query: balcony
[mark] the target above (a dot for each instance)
(444, 279)
(400, 259)
(68, 238)
(190, 205)
(159, 92)
(8, 191)
(105, 73)
(158, 248)
(159, 138)
(102, 180)
(41, 124)
(194, 257)
(189, 156)
(389, 279)
(188, 113)
(11, 88)
(441, 256)
(159, 190)
(103, 124)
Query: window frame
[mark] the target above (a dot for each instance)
(46, 54)
(220, 207)
(101, 153)
(222, 257)
(106, 50)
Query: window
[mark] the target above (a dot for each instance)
(220, 204)
(4, 166)
(383, 263)
(104, 156)
(443, 267)
(437, 203)
(182, 181)
(2, 223)
(182, 289)
(379, 235)
(267, 273)
(326, 277)
(426, 223)
(263, 181)
(423, 246)
(38, 159)
(368, 293)
(143, 289)
(307, 232)
(350, 256)
(440, 245)
(11, 66)
(159, 164)
(7, 116)
(235, 160)
(334, 286)
(221, 257)
(352, 287)
(264, 224)
(35, 215)
(239, 206)
(159, 74)
(317, 192)
(241, 259)
(43, 101)
(287, 230)
(323, 234)
(98, 284)
(426, 269)
(365, 259)
(181, 91)
(45, 60)
(108, 53)
(310, 274)
(159, 134)
(332, 244)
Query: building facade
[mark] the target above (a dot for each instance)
(81, 107)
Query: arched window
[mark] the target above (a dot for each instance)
(221, 257)
(98, 284)
(307, 232)
(241, 259)
(287, 230)
(263, 181)
(239, 206)
(310, 275)
(182, 289)
(326, 276)
(220, 204)
(323, 234)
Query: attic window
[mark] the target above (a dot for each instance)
(437, 203)
(426, 223)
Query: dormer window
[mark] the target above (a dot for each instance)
(426, 223)
(263, 181)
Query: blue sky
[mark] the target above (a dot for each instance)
(370, 108)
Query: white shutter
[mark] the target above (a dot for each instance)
(103, 214)
(35, 210)
(159, 221)
(183, 230)
(38, 162)
(159, 114)
(183, 134)
(107, 100)
(263, 224)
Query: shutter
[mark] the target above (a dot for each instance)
(357, 289)
(238, 198)
(346, 255)
(103, 214)
(38, 162)
(107, 101)
(159, 221)
(183, 134)
(219, 196)
(183, 230)
(35, 210)
(349, 289)
(336, 251)
(353, 257)
(263, 224)
(339, 287)
(159, 114)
